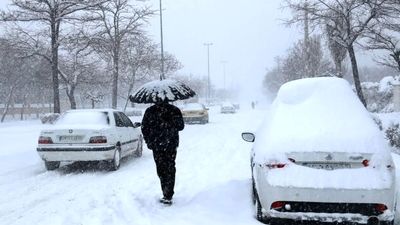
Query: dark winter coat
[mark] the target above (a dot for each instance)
(161, 125)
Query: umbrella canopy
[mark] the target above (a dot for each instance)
(161, 91)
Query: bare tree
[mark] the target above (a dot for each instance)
(119, 21)
(20, 77)
(76, 60)
(140, 59)
(357, 16)
(52, 13)
(77, 64)
(385, 36)
(337, 50)
(294, 65)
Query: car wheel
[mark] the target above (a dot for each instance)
(253, 191)
(52, 165)
(115, 163)
(139, 150)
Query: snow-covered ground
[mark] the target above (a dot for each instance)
(212, 187)
(213, 180)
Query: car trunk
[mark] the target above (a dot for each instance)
(192, 113)
(330, 161)
(71, 136)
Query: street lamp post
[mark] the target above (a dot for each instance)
(224, 70)
(208, 70)
(162, 76)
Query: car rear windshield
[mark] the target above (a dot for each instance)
(84, 118)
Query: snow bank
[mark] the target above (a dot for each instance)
(318, 114)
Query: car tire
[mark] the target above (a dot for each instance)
(139, 150)
(116, 161)
(52, 165)
(253, 191)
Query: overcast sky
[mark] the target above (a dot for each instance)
(248, 34)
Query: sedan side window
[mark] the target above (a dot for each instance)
(127, 121)
(118, 120)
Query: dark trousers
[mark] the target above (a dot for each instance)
(165, 163)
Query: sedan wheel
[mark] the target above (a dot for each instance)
(115, 163)
(52, 165)
(253, 192)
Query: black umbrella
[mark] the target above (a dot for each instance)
(162, 90)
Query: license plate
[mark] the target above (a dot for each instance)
(328, 166)
(70, 138)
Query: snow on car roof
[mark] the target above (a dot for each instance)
(318, 114)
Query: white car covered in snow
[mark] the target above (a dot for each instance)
(90, 135)
(320, 157)
(228, 107)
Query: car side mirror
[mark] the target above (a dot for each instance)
(137, 124)
(249, 137)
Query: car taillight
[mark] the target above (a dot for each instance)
(98, 140)
(45, 140)
(277, 205)
(381, 208)
(275, 165)
(365, 163)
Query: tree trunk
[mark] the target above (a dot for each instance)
(54, 65)
(396, 57)
(71, 97)
(23, 108)
(115, 80)
(356, 75)
(129, 93)
(8, 102)
(339, 72)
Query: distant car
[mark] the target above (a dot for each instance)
(228, 108)
(195, 113)
(90, 135)
(319, 157)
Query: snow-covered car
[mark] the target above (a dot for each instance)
(228, 108)
(320, 157)
(195, 113)
(90, 135)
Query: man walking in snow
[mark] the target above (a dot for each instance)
(160, 127)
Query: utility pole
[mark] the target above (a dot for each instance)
(223, 62)
(208, 71)
(307, 39)
(162, 76)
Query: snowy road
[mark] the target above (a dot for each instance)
(212, 181)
